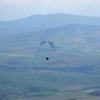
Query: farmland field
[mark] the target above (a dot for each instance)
(62, 77)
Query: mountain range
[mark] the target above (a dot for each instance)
(42, 22)
(64, 29)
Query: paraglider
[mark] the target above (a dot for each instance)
(51, 43)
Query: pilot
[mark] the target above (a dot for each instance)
(47, 58)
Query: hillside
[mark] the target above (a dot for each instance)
(73, 34)
(73, 38)
(42, 22)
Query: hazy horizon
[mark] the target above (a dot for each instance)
(17, 9)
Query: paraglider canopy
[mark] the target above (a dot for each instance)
(51, 42)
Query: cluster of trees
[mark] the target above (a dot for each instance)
(71, 99)
(95, 93)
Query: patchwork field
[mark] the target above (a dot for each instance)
(47, 84)
(32, 77)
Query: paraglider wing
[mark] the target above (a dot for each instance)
(51, 42)
(42, 42)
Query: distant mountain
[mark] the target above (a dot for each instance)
(42, 22)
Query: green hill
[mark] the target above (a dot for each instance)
(72, 34)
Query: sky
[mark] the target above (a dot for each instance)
(16, 9)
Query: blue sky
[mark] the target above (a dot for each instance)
(16, 9)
